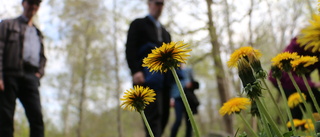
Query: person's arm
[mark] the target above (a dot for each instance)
(3, 38)
(132, 48)
(43, 60)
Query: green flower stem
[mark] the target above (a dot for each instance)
(264, 120)
(315, 103)
(185, 102)
(317, 127)
(146, 123)
(274, 102)
(266, 114)
(302, 110)
(300, 93)
(304, 113)
(311, 132)
(284, 97)
(265, 124)
(247, 124)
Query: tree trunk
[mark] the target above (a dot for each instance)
(273, 37)
(250, 23)
(116, 69)
(235, 81)
(228, 22)
(83, 84)
(65, 115)
(219, 71)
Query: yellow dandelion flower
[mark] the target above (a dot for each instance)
(166, 56)
(243, 52)
(234, 105)
(282, 59)
(137, 98)
(296, 122)
(294, 99)
(303, 61)
(310, 36)
(308, 124)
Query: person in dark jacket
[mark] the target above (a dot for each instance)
(22, 62)
(144, 35)
(287, 83)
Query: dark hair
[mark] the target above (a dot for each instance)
(33, 1)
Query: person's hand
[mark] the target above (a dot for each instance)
(171, 102)
(138, 78)
(1, 85)
(38, 75)
(189, 85)
(317, 84)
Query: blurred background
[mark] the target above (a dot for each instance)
(87, 73)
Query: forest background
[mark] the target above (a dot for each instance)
(87, 73)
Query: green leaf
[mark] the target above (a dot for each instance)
(288, 134)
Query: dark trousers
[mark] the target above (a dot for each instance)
(26, 89)
(180, 112)
(296, 112)
(157, 113)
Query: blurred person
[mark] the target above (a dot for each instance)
(22, 62)
(144, 35)
(287, 83)
(189, 85)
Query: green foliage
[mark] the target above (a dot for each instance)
(288, 134)
(244, 134)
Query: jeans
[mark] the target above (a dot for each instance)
(180, 112)
(157, 113)
(25, 88)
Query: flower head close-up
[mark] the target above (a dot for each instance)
(282, 60)
(295, 99)
(310, 35)
(303, 61)
(137, 98)
(244, 52)
(251, 85)
(234, 105)
(308, 124)
(297, 123)
(167, 56)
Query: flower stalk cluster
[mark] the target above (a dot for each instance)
(289, 62)
(292, 62)
(246, 59)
